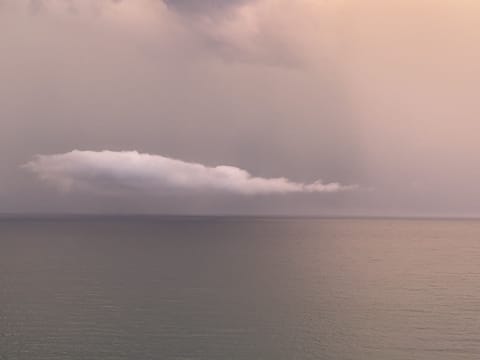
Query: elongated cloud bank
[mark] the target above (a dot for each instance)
(117, 172)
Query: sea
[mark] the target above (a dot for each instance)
(246, 288)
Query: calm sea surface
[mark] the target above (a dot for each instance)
(239, 288)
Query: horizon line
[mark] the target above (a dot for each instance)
(65, 215)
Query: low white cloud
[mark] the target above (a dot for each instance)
(112, 172)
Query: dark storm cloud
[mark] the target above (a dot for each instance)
(201, 6)
(36, 6)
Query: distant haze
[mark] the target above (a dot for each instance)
(377, 94)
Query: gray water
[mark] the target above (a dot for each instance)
(239, 288)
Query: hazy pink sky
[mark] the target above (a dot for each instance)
(380, 94)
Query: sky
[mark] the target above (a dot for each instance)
(306, 107)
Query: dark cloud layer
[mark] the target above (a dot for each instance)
(196, 6)
(36, 6)
(184, 6)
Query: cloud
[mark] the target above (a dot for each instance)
(197, 7)
(277, 33)
(112, 172)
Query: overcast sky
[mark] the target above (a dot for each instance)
(240, 106)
